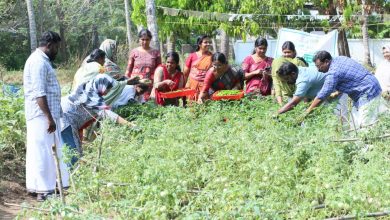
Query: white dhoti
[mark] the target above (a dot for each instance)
(40, 166)
(367, 114)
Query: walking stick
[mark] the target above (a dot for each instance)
(59, 178)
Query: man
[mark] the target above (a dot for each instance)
(43, 111)
(283, 89)
(347, 76)
(308, 82)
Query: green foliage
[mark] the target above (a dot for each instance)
(227, 160)
(12, 133)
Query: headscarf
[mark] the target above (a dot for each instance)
(387, 47)
(108, 46)
(90, 94)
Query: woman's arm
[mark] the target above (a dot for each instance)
(158, 79)
(252, 74)
(209, 79)
(130, 65)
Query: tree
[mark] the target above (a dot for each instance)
(224, 43)
(128, 23)
(366, 48)
(152, 22)
(32, 25)
(60, 16)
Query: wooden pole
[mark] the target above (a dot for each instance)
(58, 169)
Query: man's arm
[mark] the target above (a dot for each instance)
(290, 105)
(42, 103)
(328, 87)
(316, 102)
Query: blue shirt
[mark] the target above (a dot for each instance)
(309, 82)
(39, 79)
(348, 76)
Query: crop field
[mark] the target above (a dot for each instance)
(228, 160)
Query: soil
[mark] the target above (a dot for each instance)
(12, 192)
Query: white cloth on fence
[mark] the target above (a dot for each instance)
(40, 166)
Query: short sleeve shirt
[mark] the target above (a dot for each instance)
(309, 82)
(39, 79)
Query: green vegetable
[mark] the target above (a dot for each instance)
(228, 92)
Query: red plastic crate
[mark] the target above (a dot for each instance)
(178, 93)
(216, 97)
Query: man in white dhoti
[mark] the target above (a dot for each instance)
(42, 95)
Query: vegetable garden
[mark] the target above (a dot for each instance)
(228, 160)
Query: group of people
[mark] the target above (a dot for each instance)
(100, 86)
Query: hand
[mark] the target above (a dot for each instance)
(169, 82)
(302, 117)
(200, 100)
(52, 125)
(145, 81)
(334, 94)
(386, 95)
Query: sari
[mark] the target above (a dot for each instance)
(176, 79)
(226, 81)
(143, 65)
(262, 82)
(198, 67)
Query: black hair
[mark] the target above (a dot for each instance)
(288, 45)
(260, 41)
(286, 69)
(49, 37)
(199, 41)
(219, 57)
(175, 57)
(143, 86)
(145, 32)
(303, 60)
(322, 55)
(95, 55)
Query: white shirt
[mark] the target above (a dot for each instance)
(39, 79)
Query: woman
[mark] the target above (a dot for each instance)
(220, 77)
(89, 70)
(257, 69)
(382, 73)
(197, 64)
(111, 68)
(283, 89)
(167, 78)
(143, 60)
(84, 104)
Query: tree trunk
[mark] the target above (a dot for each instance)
(342, 44)
(128, 23)
(152, 22)
(366, 48)
(171, 43)
(60, 15)
(214, 42)
(225, 44)
(32, 25)
(95, 37)
(41, 16)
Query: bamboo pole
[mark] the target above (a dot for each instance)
(368, 215)
(58, 169)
